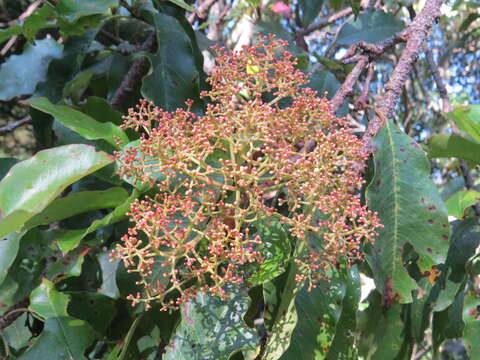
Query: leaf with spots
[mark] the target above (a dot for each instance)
(212, 328)
(63, 338)
(411, 210)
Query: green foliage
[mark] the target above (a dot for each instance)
(411, 210)
(64, 209)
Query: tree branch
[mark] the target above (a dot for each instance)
(202, 11)
(329, 20)
(416, 32)
(138, 69)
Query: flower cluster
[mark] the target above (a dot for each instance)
(267, 146)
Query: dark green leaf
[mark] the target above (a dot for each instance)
(318, 313)
(370, 26)
(467, 119)
(465, 239)
(212, 328)
(71, 238)
(471, 315)
(9, 246)
(183, 5)
(410, 209)
(20, 74)
(100, 110)
(72, 10)
(174, 77)
(78, 203)
(47, 302)
(17, 334)
(276, 250)
(458, 203)
(81, 123)
(32, 184)
(5, 165)
(324, 81)
(96, 309)
(310, 10)
(9, 32)
(448, 145)
(62, 338)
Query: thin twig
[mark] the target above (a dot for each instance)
(28, 11)
(202, 11)
(16, 124)
(326, 21)
(13, 314)
(362, 100)
(350, 81)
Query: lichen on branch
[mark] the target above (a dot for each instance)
(267, 147)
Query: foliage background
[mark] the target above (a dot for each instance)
(68, 72)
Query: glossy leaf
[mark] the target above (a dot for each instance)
(411, 210)
(78, 203)
(174, 77)
(370, 26)
(32, 184)
(212, 328)
(467, 119)
(20, 74)
(62, 338)
(447, 145)
(459, 202)
(81, 123)
(9, 246)
(183, 5)
(47, 302)
(71, 238)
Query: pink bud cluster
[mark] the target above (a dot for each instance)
(265, 143)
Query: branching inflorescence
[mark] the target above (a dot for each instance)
(266, 148)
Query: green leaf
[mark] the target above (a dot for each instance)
(472, 325)
(467, 119)
(324, 81)
(447, 145)
(42, 18)
(20, 74)
(8, 252)
(62, 338)
(411, 210)
(78, 203)
(96, 309)
(310, 10)
(281, 317)
(9, 32)
(458, 203)
(183, 5)
(47, 302)
(79, 122)
(212, 328)
(109, 268)
(465, 239)
(17, 334)
(72, 10)
(174, 77)
(342, 346)
(370, 26)
(318, 313)
(5, 165)
(71, 238)
(276, 249)
(32, 184)
(100, 110)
